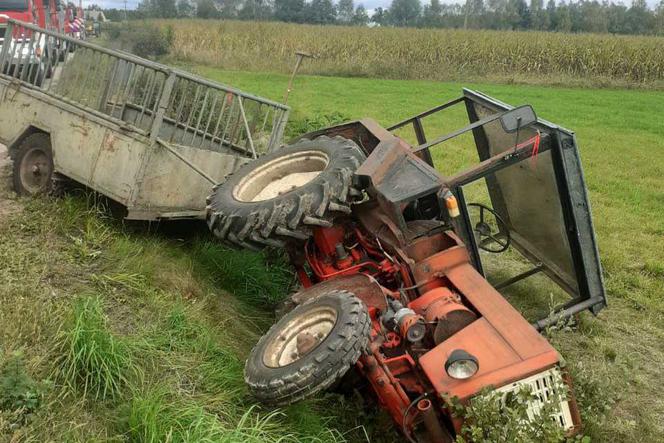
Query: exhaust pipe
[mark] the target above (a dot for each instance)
(436, 432)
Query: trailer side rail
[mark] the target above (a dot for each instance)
(148, 98)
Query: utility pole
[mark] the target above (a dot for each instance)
(125, 4)
(465, 18)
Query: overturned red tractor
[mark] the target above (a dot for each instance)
(387, 252)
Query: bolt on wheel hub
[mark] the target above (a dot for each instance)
(280, 176)
(35, 170)
(300, 336)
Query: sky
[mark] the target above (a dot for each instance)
(108, 4)
(369, 4)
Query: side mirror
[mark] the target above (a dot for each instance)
(518, 118)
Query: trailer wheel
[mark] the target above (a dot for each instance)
(309, 349)
(33, 165)
(283, 195)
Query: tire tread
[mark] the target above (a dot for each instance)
(290, 217)
(328, 364)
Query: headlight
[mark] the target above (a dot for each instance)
(461, 365)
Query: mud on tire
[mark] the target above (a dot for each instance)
(284, 194)
(276, 377)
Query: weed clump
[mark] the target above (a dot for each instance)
(218, 368)
(315, 122)
(92, 359)
(18, 390)
(493, 416)
(155, 417)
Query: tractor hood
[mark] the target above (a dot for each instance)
(507, 347)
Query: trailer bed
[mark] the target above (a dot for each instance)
(153, 138)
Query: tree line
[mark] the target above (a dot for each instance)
(571, 16)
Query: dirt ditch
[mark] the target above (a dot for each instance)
(8, 204)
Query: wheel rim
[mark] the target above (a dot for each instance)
(35, 170)
(281, 175)
(299, 336)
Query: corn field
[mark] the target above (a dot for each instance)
(407, 53)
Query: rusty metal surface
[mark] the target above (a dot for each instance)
(364, 287)
(394, 177)
(8, 204)
(367, 133)
(510, 347)
(144, 134)
(397, 174)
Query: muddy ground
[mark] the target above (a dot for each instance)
(7, 196)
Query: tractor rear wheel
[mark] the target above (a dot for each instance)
(309, 349)
(283, 195)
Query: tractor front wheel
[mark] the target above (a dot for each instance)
(309, 349)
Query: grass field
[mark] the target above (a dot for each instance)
(127, 333)
(118, 333)
(431, 54)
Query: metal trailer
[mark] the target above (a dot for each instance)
(148, 136)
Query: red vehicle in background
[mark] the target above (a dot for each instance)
(33, 57)
(52, 15)
(43, 13)
(18, 9)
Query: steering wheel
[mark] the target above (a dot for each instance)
(491, 235)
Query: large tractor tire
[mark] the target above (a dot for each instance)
(308, 349)
(283, 195)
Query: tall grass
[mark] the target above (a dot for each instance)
(155, 417)
(400, 53)
(207, 401)
(218, 368)
(91, 359)
(255, 278)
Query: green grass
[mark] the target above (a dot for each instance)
(91, 358)
(131, 334)
(165, 324)
(155, 418)
(256, 279)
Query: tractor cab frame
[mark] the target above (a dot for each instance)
(533, 177)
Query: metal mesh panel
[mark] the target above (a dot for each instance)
(200, 116)
(543, 387)
(526, 196)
